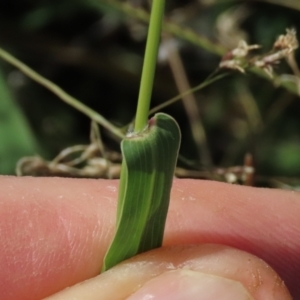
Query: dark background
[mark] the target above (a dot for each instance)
(94, 51)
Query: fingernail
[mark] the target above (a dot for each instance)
(186, 284)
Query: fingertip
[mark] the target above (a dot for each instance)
(177, 269)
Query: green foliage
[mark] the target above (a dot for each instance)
(95, 53)
(17, 138)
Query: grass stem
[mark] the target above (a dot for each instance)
(148, 72)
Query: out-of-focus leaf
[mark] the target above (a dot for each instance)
(292, 4)
(16, 137)
(286, 156)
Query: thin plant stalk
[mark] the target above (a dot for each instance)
(148, 72)
(189, 103)
(211, 79)
(55, 89)
(170, 27)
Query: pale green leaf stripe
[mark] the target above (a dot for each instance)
(148, 168)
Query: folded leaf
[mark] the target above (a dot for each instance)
(149, 160)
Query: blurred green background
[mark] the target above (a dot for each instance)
(94, 50)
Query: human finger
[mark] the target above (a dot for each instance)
(205, 272)
(54, 232)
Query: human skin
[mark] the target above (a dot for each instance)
(54, 233)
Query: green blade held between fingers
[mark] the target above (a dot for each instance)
(149, 160)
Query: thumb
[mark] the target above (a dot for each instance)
(184, 272)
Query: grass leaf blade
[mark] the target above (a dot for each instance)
(149, 163)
